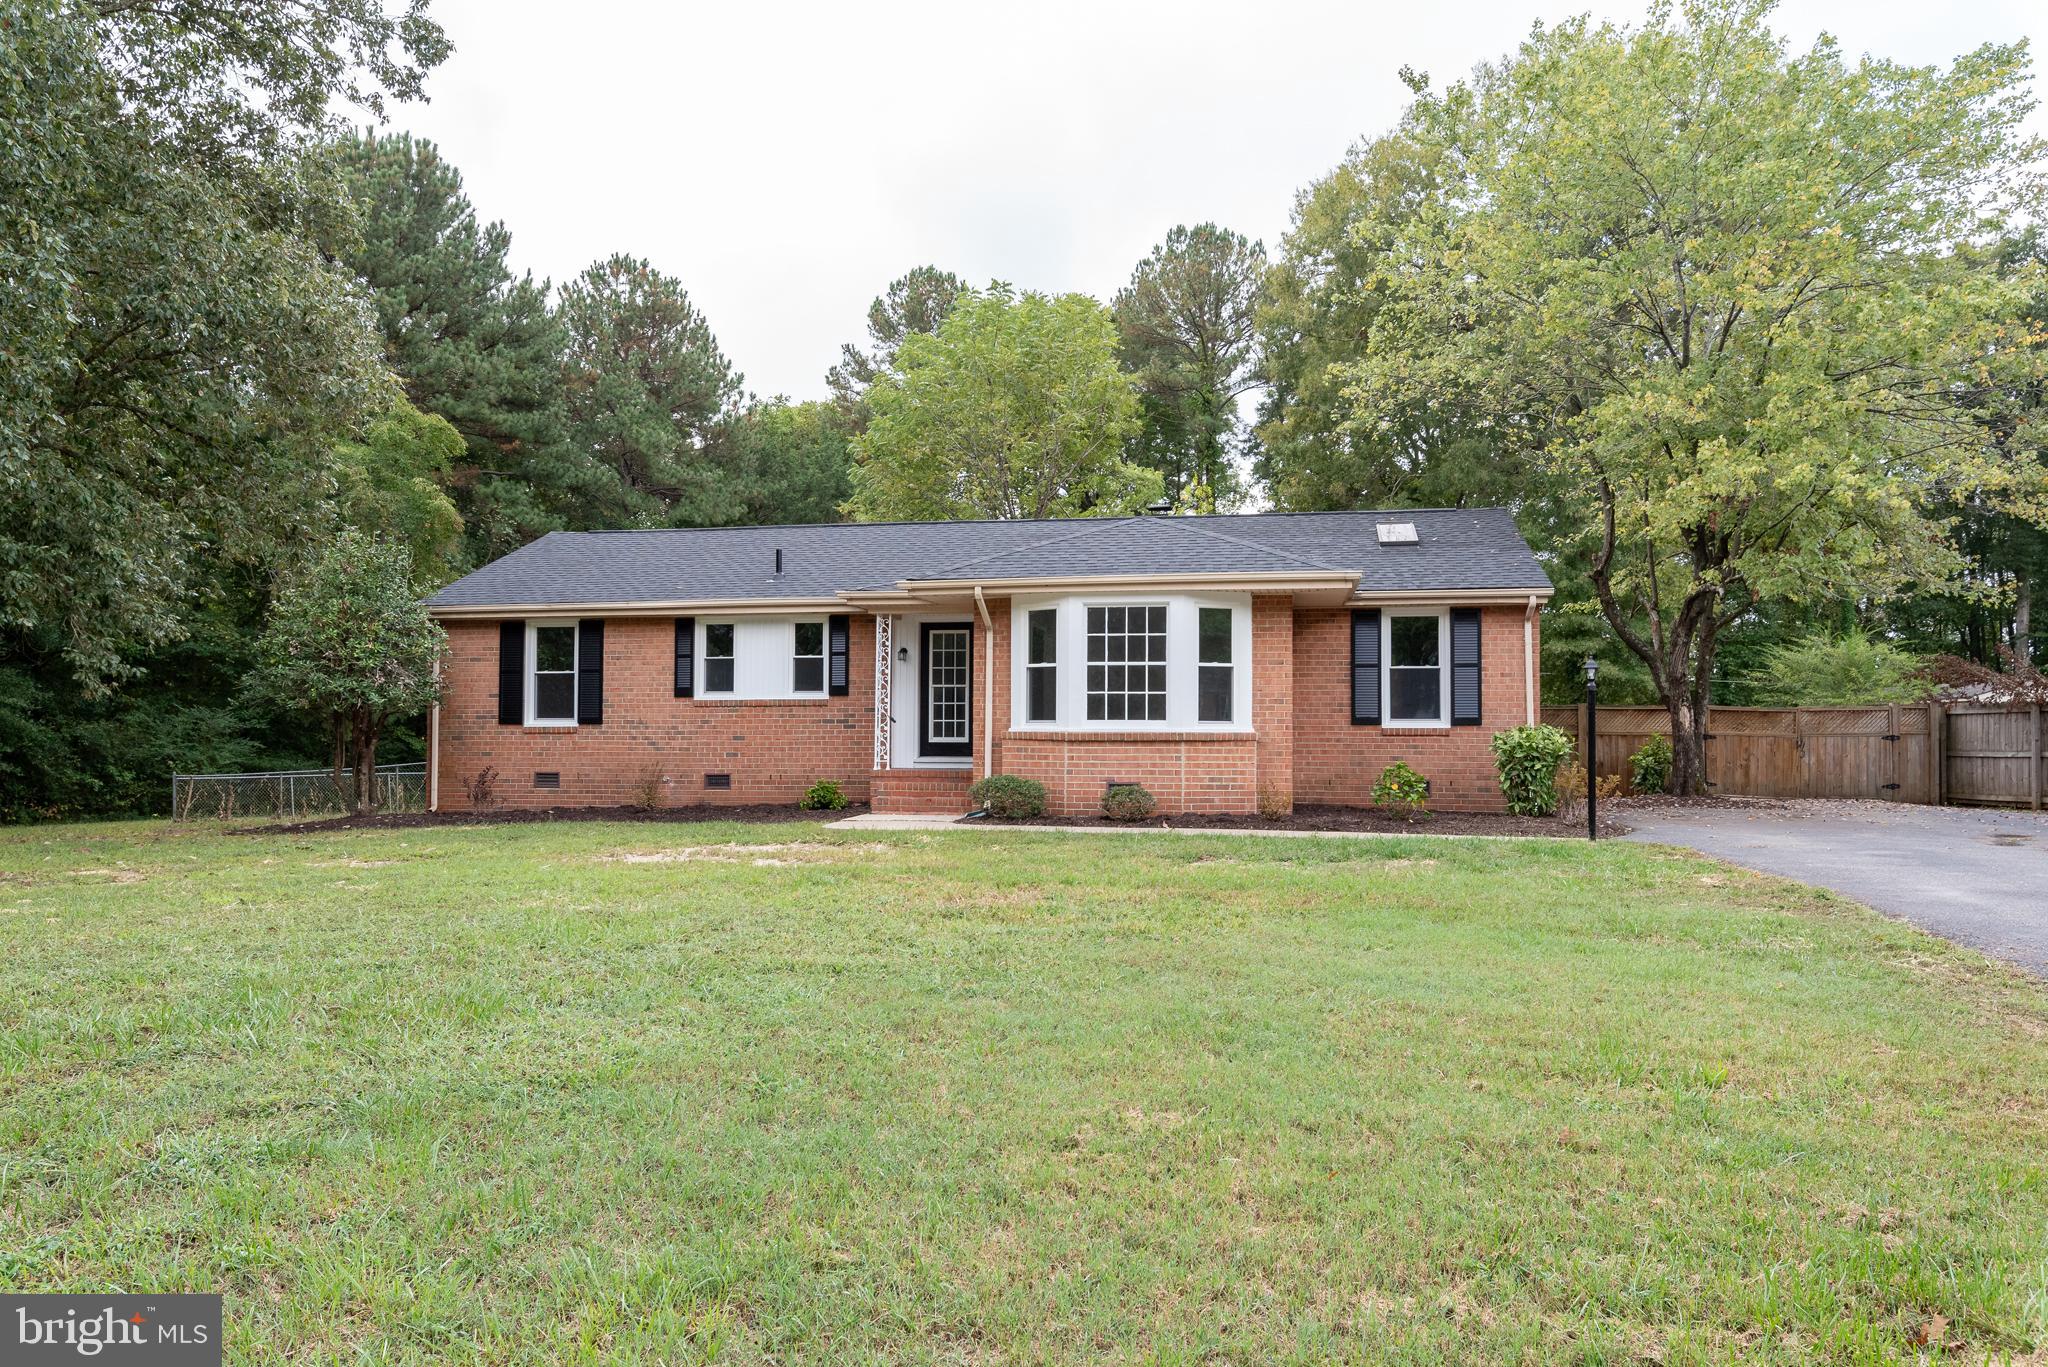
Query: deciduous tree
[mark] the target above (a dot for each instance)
(349, 642)
(1015, 407)
(1730, 293)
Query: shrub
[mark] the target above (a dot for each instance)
(1009, 798)
(649, 795)
(1401, 787)
(1527, 758)
(823, 796)
(482, 790)
(1649, 769)
(1571, 790)
(1275, 802)
(1853, 670)
(1128, 802)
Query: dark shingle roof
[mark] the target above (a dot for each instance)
(1464, 548)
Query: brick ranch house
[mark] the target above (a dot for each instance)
(1211, 659)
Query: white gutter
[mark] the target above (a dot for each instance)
(988, 685)
(1529, 658)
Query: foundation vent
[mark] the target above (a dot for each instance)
(718, 780)
(545, 778)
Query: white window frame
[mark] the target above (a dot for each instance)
(824, 654)
(1030, 667)
(532, 670)
(704, 687)
(1183, 678)
(1442, 720)
(1229, 665)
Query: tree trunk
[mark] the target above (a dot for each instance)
(2023, 619)
(365, 795)
(338, 727)
(1688, 747)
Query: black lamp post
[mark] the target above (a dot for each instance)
(1592, 747)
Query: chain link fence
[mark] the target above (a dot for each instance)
(292, 794)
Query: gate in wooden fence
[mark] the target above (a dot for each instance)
(1911, 752)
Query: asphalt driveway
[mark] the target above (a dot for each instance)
(1978, 876)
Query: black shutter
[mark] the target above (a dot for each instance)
(686, 656)
(835, 654)
(511, 673)
(1365, 666)
(590, 672)
(1464, 666)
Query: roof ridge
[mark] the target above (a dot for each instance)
(1253, 545)
(1094, 524)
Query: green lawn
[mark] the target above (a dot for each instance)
(597, 1093)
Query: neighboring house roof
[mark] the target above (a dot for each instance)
(1456, 549)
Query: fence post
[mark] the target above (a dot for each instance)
(1937, 750)
(2034, 758)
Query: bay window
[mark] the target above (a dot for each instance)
(1168, 663)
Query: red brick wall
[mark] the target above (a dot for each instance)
(1337, 762)
(773, 750)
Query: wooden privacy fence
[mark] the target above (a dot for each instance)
(1909, 752)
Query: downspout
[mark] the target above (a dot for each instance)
(988, 685)
(1529, 659)
(434, 744)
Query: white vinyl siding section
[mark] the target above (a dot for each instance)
(1183, 677)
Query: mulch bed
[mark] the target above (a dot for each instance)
(400, 821)
(1366, 819)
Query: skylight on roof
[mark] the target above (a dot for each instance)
(1398, 534)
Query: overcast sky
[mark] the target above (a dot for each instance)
(787, 161)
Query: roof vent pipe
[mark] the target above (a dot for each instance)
(778, 560)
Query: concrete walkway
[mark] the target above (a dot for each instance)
(1978, 876)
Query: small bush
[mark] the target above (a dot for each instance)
(482, 790)
(1528, 758)
(823, 796)
(1571, 790)
(1649, 769)
(650, 792)
(1401, 788)
(1009, 798)
(1128, 802)
(1275, 802)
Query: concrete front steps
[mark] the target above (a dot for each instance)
(921, 791)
